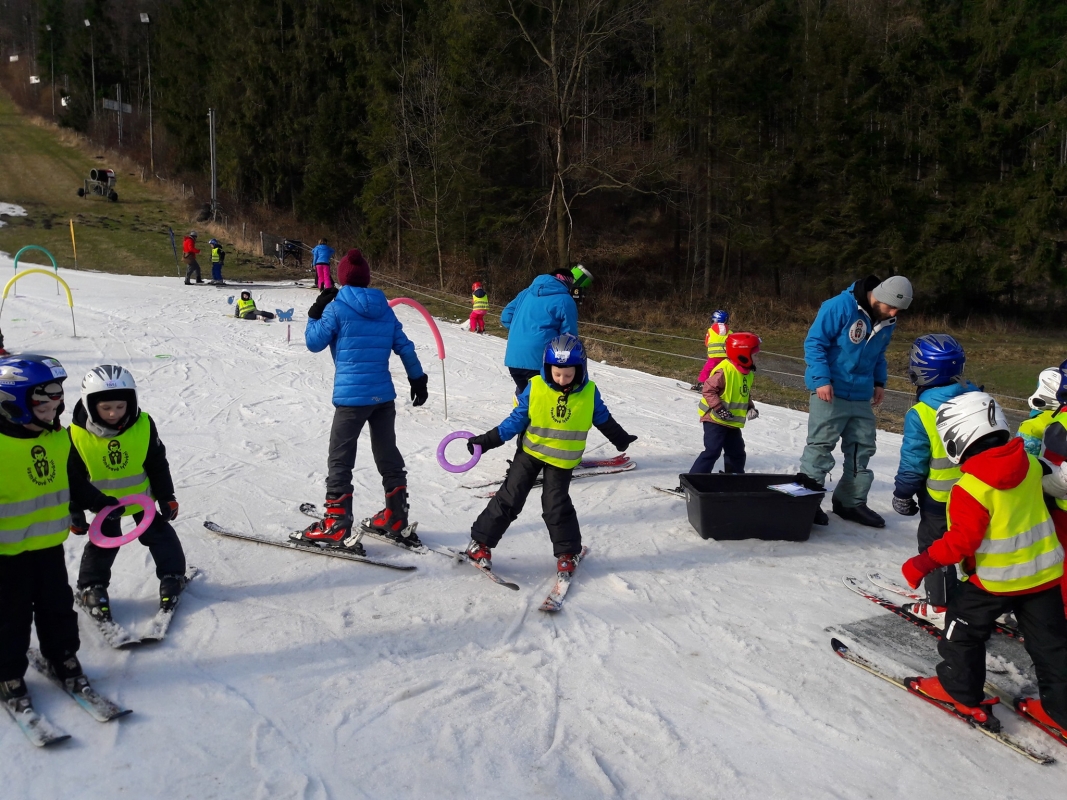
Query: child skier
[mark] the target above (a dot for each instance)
(936, 370)
(1043, 407)
(320, 257)
(245, 308)
(361, 331)
(480, 304)
(727, 405)
(715, 342)
(44, 480)
(121, 450)
(189, 254)
(218, 259)
(1002, 536)
(553, 414)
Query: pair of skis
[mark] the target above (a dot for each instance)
(155, 631)
(588, 467)
(36, 727)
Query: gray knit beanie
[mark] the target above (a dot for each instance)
(894, 291)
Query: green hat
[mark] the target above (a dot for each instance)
(582, 277)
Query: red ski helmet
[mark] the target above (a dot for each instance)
(741, 349)
(476, 286)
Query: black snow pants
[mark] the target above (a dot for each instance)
(34, 589)
(192, 268)
(933, 522)
(556, 506)
(348, 422)
(971, 615)
(160, 539)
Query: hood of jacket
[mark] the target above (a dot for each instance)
(1001, 467)
(367, 302)
(544, 285)
(936, 395)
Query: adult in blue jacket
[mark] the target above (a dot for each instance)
(846, 373)
(362, 331)
(541, 312)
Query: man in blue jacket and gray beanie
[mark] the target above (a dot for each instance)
(846, 373)
(540, 313)
(361, 330)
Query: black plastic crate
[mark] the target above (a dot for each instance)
(726, 507)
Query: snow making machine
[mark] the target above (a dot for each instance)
(100, 182)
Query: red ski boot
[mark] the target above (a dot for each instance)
(392, 521)
(932, 689)
(1032, 708)
(479, 554)
(565, 563)
(335, 528)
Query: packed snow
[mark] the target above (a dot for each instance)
(10, 210)
(678, 668)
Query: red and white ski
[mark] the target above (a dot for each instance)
(554, 601)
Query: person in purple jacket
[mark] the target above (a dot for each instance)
(361, 330)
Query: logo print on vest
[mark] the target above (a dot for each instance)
(116, 458)
(43, 471)
(562, 412)
(857, 332)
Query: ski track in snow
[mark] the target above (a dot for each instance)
(679, 667)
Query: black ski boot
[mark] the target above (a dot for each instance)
(94, 599)
(170, 590)
(12, 691)
(392, 521)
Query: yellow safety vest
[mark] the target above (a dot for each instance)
(943, 473)
(34, 493)
(244, 306)
(716, 342)
(559, 423)
(480, 303)
(735, 396)
(215, 259)
(1035, 426)
(1020, 549)
(116, 466)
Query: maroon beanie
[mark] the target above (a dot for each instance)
(353, 270)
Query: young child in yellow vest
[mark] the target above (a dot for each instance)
(1002, 536)
(122, 452)
(554, 414)
(715, 342)
(245, 308)
(727, 405)
(1043, 407)
(43, 481)
(479, 304)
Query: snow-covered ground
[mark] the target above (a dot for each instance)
(10, 210)
(679, 667)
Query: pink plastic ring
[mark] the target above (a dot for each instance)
(457, 467)
(142, 500)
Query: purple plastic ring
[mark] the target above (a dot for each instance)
(98, 538)
(457, 467)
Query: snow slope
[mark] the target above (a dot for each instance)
(679, 668)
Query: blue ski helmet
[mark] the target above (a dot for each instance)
(20, 375)
(936, 360)
(565, 351)
(721, 316)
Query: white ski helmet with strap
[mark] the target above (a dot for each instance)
(1044, 397)
(965, 419)
(104, 383)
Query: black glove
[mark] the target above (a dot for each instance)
(614, 433)
(486, 441)
(168, 509)
(323, 300)
(905, 506)
(79, 525)
(419, 394)
(723, 413)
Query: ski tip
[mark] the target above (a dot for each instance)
(123, 713)
(839, 647)
(66, 737)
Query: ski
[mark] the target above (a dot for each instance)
(554, 601)
(689, 387)
(157, 627)
(304, 548)
(95, 704)
(1019, 704)
(890, 585)
(576, 475)
(1006, 739)
(312, 510)
(672, 492)
(33, 724)
(111, 632)
(586, 467)
(853, 585)
(460, 555)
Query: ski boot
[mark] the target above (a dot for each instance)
(170, 590)
(12, 691)
(1033, 709)
(565, 564)
(392, 521)
(479, 554)
(94, 599)
(927, 611)
(334, 530)
(932, 688)
(69, 673)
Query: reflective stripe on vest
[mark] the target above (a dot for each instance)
(716, 342)
(116, 465)
(734, 397)
(35, 492)
(943, 473)
(244, 306)
(559, 424)
(215, 255)
(1020, 550)
(479, 303)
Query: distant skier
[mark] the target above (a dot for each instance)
(218, 259)
(554, 414)
(479, 305)
(537, 315)
(715, 342)
(362, 331)
(320, 257)
(121, 450)
(189, 254)
(1043, 408)
(245, 308)
(1001, 534)
(936, 369)
(44, 480)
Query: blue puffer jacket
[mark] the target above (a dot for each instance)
(843, 349)
(915, 449)
(519, 418)
(321, 254)
(361, 331)
(540, 313)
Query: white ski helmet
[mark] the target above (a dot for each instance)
(1048, 383)
(965, 419)
(109, 382)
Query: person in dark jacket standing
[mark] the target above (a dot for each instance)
(189, 254)
(361, 330)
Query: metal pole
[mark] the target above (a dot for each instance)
(52, 46)
(444, 386)
(92, 63)
(214, 173)
(118, 99)
(151, 141)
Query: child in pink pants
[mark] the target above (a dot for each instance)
(480, 301)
